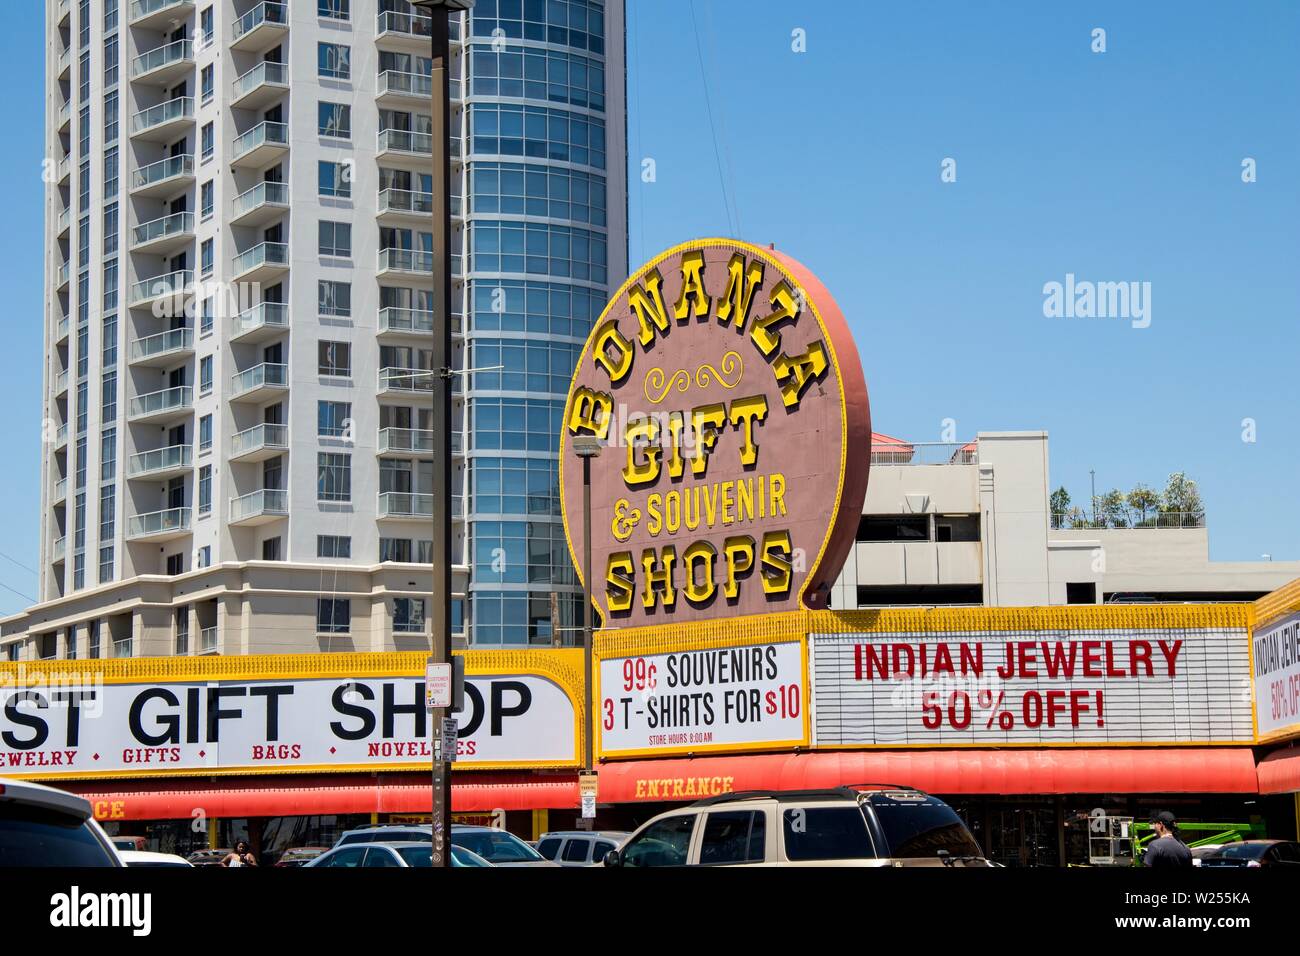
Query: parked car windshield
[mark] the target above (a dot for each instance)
(36, 836)
(496, 846)
(921, 828)
(1243, 851)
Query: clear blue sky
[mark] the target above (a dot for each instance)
(1122, 166)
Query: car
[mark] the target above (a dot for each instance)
(145, 858)
(42, 826)
(396, 854)
(386, 833)
(1204, 850)
(1255, 853)
(208, 857)
(498, 847)
(579, 847)
(129, 842)
(300, 855)
(862, 825)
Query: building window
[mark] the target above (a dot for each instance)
(206, 316)
(335, 298)
(206, 257)
(271, 549)
(336, 239)
(13, 651)
(335, 179)
(110, 118)
(108, 459)
(334, 358)
(333, 60)
(110, 172)
(107, 564)
(333, 616)
(205, 26)
(110, 281)
(205, 556)
(408, 615)
(110, 63)
(182, 631)
(175, 564)
(333, 419)
(334, 9)
(206, 200)
(110, 15)
(205, 490)
(110, 235)
(205, 83)
(333, 477)
(205, 374)
(108, 398)
(205, 433)
(335, 119)
(122, 646)
(208, 140)
(333, 546)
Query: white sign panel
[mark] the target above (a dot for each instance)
(437, 686)
(732, 698)
(1277, 677)
(508, 720)
(1031, 687)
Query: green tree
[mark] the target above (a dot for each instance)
(1181, 497)
(1060, 506)
(1142, 501)
(1110, 510)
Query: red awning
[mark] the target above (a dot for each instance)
(1042, 771)
(1279, 772)
(178, 799)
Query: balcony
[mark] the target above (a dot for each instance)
(410, 442)
(163, 65)
(405, 322)
(260, 323)
(65, 12)
(396, 88)
(259, 443)
(404, 204)
(65, 170)
(162, 237)
(59, 550)
(405, 262)
(65, 223)
(405, 31)
(161, 408)
(1080, 521)
(161, 463)
(159, 14)
(261, 507)
(65, 63)
(261, 146)
(61, 438)
(261, 28)
(406, 381)
(165, 122)
(172, 285)
(163, 349)
(171, 176)
(65, 117)
(404, 506)
(63, 277)
(61, 330)
(60, 494)
(260, 86)
(259, 383)
(404, 147)
(262, 263)
(263, 203)
(159, 525)
(61, 383)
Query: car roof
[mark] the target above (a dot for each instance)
(36, 794)
(147, 856)
(603, 834)
(847, 792)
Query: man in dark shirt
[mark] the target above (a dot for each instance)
(1166, 849)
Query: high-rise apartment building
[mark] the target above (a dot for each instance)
(240, 307)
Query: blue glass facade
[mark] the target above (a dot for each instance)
(541, 260)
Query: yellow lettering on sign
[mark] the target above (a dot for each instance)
(619, 571)
(612, 351)
(697, 556)
(705, 422)
(784, 309)
(744, 412)
(654, 515)
(648, 304)
(795, 373)
(693, 296)
(776, 485)
(676, 463)
(655, 576)
(742, 282)
(642, 452)
(590, 413)
(738, 551)
(776, 560)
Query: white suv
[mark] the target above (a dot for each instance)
(869, 825)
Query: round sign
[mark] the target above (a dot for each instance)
(721, 417)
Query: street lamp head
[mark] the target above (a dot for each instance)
(451, 6)
(587, 446)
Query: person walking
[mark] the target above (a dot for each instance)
(1167, 849)
(240, 856)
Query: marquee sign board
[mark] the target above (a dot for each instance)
(1040, 687)
(726, 391)
(1276, 654)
